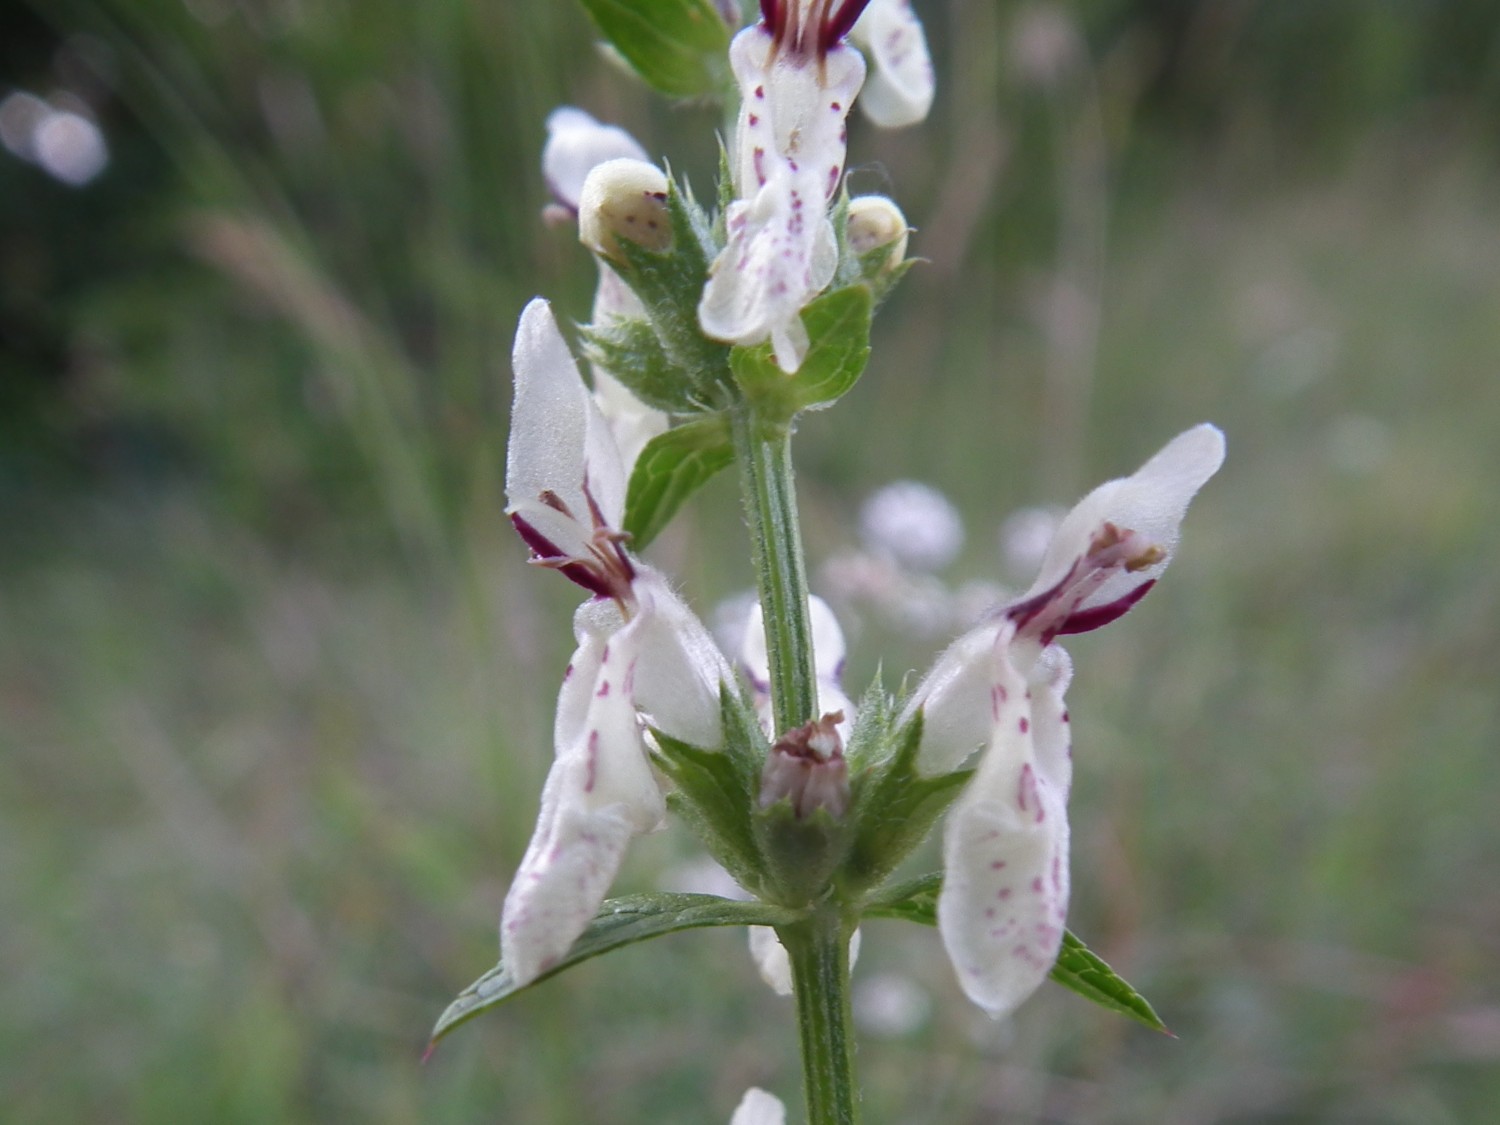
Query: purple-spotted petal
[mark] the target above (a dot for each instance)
(787, 159)
(1004, 900)
(599, 793)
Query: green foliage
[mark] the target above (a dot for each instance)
(620, 922)
(716, 789)
(631, 351)
(838, 330)
(676, 46)
(1078, 968)
(671, 467)
(1083, 971)
(669, 284)
(893, 805)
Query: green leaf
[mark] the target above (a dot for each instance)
(670, 284)
(1085, 973)
(620, 921)
(671, 468)
(680, 47)
(1078, 968)
(895, 807)
(717, 790)
(912, 901)
(631, 351)
(838, 328)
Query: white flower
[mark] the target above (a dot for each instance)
(914, 523)
(642, 656)
(797, 81)
(759, 1108)
(900, 87)
(577, 145)
(828, 664)
(1000, 687)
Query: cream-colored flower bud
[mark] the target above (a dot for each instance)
(874, 221)
(626, 199)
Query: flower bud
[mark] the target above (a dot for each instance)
(874, 222)
(807, 767)
(627, 199)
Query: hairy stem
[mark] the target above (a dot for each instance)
(818, 948)
(764, 455)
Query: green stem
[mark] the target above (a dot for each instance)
(818, 948)
(763, 452)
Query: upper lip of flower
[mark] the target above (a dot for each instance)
(803, 26)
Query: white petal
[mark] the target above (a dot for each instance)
(632, 422)
(557, 438)
(599, 793)
(1151, 502)
(679, 670)
(573, 858)
(900, 87)
(792, 109)
(596, 715)
(829, 651)
(759, 1108)
(575, 144)
(788, 156)
(771, 959)
(781, 253)
(1005, 848)
(955, 700)
(772, 962)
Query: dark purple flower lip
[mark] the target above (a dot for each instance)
(605, 570)
(1055, 611)
(807, 26)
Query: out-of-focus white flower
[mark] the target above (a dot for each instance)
(1000, 687)
(828, 662)
(891, 1005)
(900, 87)
(759, 1108)
(642, 656)
(914, 523)
(576, 145)
(772, 962)
(1025, 536)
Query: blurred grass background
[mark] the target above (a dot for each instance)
(275, 682)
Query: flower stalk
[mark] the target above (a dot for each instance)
(763, 455)
(818, 948)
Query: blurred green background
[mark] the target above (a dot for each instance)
(275, 681)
